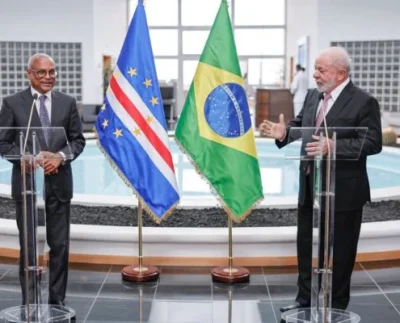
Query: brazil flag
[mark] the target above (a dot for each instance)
(214, 128)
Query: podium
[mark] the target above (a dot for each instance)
(28, 150)
(323, 169)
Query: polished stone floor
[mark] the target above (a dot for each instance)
(188, 295)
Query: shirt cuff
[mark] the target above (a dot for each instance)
(63, 156)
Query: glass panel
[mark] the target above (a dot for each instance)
(260, 41)
(167, 69)
(164, 42)
(268, 71)
(189, 68)
(194, 41)
(200, 13)
(158, 12)
(259, 12)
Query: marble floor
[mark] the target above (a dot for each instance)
(188, 295)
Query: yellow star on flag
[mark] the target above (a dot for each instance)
(137, 131)
(154, 100)
(149, 119)
(147, 82)
(105, 123)
(118, 133)
(132, 71)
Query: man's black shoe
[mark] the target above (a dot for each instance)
(293, 306)
(61, 303)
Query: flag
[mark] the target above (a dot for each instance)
(131, 125)
(214, 128)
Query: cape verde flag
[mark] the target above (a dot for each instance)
(131, 125)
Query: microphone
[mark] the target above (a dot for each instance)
(35, 96)
(321, 97)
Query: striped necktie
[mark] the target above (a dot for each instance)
(44, 118)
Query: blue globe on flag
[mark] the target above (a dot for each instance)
(226, 110)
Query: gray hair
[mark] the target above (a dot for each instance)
(36, 56)
(339, 56)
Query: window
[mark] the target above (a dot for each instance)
(199, 13)
(268, 71)
(159, 12)
(194, 41)
(167, 69)
(260, 41)
(189, 68)
(164, 42)
(259, 12)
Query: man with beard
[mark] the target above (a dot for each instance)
(344, 105)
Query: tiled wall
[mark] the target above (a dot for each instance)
(376, 69)
(14, 58)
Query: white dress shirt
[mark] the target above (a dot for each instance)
(334, 95)
(47, 102)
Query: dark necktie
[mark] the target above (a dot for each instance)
(44, 118)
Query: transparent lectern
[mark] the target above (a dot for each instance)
(27, 149)
(346, 144)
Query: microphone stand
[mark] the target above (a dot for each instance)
(25, 207)
(327, 241)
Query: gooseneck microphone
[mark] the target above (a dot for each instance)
(35, 97)
(326, 130)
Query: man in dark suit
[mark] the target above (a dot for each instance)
(344, 105)
(52, 109)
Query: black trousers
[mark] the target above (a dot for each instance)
(57, 216)
(347, 227)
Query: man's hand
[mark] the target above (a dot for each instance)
(274, 130)
(29, 164)
(313, 148)
(51, 162)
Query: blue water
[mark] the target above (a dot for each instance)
(94, 175)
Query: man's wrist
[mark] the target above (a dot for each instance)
(63, 157)
(283, 138)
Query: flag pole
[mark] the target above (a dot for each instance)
(230, 274)
(140, 273)
(230, 245)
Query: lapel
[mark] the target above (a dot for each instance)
(54, 102)
(314, 107)
(35, 123)
(340, 103)
(28, 98)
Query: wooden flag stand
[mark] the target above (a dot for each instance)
(230, 274)
(140, 273)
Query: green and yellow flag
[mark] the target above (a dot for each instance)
(214, 128)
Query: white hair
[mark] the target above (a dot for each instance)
(339, 56)
(36, 56)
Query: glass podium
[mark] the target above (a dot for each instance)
(28, 151)
(346, 144)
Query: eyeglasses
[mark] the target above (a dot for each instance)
(43, 73)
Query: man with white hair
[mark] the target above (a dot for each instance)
(344, 105)
(52, 109)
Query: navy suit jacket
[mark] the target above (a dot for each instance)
(15, 112)
(352, 108)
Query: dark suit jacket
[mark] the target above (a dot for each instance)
(353, 108)
(15, 113)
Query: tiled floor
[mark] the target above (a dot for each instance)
(188, 295)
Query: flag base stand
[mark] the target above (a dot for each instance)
(140, 274)
(230, 275)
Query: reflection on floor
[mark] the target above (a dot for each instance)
(187, 295)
